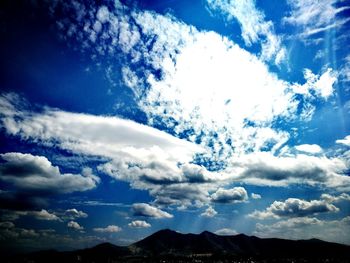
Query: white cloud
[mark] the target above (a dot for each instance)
(253, 26)
(37, 174)
(7, 225)
(45, 239)
(103, 14)
(183, 195)
(255, 196)
(202, 74)
(209, 212)
(315, 16)
(344, 71)
(284, 225)
(93, 135)
(143, 209)
(309, 148)
(306, 228)
(317, 85)
(141, 155)
(74, 225)
(40, 215)
(44, 215)
(234, 195)
(266, 169)
(108, 229)
(226, 232)
(332, 199)
(155, 161)
(72, 214)
(139, 224)
(345, 141)
(294, 207)
(203, 94)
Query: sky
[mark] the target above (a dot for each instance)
(121, 118)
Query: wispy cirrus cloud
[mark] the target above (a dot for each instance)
(254, 27)
(313, 17)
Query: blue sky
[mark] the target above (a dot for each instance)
(121, 118)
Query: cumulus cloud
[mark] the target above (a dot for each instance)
(74, 225)
(255, 196)
(234, 195)
(155, 161)
(309, 148)
(18, 238)
(265, 169)
(314, 17)
(139, 224)
(316, 85)
(40, 215)
(332, 199)
(36, 173)
(183, 195)
(7, 224)
(226, 232)
(345, 141)
(71, 214)
(306, 228)
(209, 212)
(198, 95)
(146, 210)
(285, 225)
(31, 179)
(108, 229)
(44, 215)
(146, 157)
(194, 83)
(254, 27)
(294, 207)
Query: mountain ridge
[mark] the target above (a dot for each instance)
(167, 243)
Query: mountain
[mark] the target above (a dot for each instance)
(170, 242)
(204, 247)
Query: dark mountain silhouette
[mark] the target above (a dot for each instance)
(172, 246)
(171, 242)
